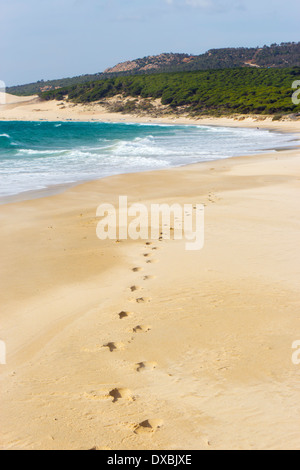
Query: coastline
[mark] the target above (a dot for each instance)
(55, 189)
(210, 364)
(25, 109)
(34, 109)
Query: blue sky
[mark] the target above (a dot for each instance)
(46, 39)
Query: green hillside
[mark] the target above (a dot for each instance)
(242, 90)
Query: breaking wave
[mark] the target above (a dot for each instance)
(37, 155)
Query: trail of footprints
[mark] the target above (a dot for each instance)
(118, 394)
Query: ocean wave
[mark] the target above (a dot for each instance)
(39, 152)
(47, 154)
(90, 160)
(155, 124)
(140, 146)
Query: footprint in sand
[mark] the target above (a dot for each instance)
(143, 300)
(149, 426)
(142, 329)
(134, 288)
(124, 314)
(137, 270)
(147, 255)
(114, 346)
(148, 243)
(121, 394)
(151, 261)
(212, 197)
(148, 278)
(143, 366)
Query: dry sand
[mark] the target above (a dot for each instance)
(32, 108)
(204, 362)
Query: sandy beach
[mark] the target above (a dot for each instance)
(32, 108)
(142, 344)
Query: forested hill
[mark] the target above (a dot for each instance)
(284, 55)
(279, 56)
(229, 91)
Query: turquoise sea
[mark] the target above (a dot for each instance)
(37, 155)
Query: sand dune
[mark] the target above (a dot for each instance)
(12, 99)
(108, 351)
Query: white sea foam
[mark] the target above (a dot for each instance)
(32, 152)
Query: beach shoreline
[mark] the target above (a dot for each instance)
(34, 109)
(55, 189)
(21, 109)
(140, 344)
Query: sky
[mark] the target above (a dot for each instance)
(48, 39)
